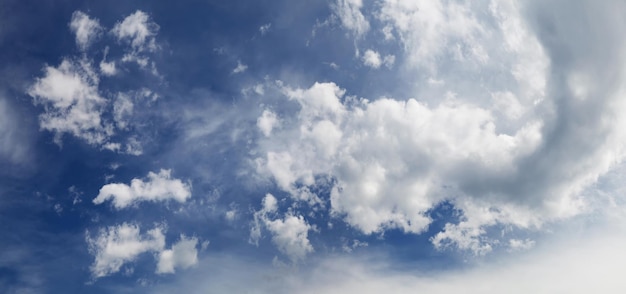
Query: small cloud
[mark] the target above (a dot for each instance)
(240, 68)
(265, 28)
(118, 245)
(183, 254)
(86, 29)
(289, 234)
(520, 245)
(372, 59)
(157, 187)
(138, 30)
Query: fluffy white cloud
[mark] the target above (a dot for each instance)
(73, 104)
(289, 234)
(86, 29)
(157, 187)
(117, 245)
(138, 30)
(372, 59)
(183, 254)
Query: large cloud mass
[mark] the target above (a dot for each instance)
(519, 158)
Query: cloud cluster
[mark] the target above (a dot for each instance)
(157, 187)
(116, 246)
(512, 152)
(289, 234)
(70, 92)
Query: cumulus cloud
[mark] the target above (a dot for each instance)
(86, 29)
(183, 254)
(289, 234)
(514, 153)
(394, 161)
(73, 104)
(117, 245)
(157, 187)
(373, 59)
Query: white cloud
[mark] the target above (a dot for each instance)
(267, 122)
(498, 145)
(183, 254)
(265, 28)
(372, 59)
(240, 68)
(390, 158)
(289, 234)
(118, 245)
(157, 187)
(349, 13)
(86, 29)
(138, 30)
(431, 29)
(122, 110)
(108, 68)
(72, 102)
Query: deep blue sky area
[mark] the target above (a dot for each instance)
(332, 146)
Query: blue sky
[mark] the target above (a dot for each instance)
(336, 146)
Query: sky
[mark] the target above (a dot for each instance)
(331, 146)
